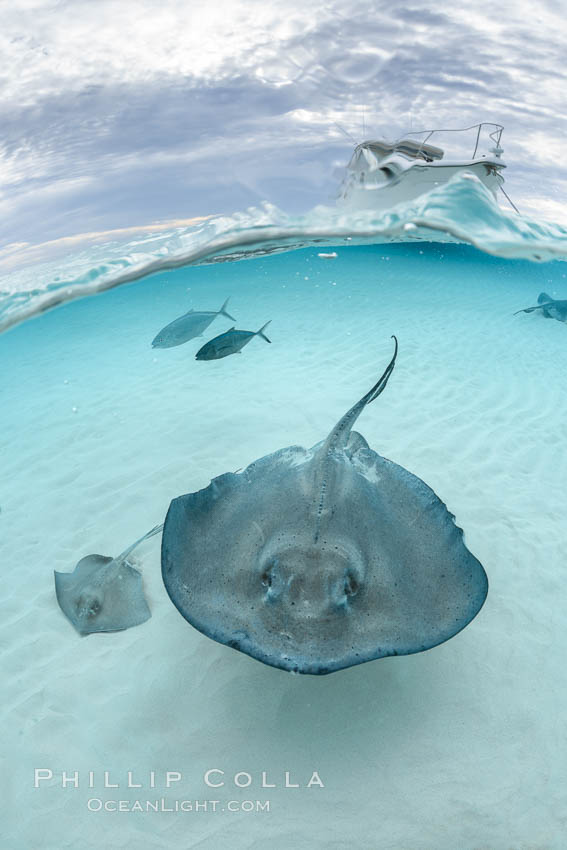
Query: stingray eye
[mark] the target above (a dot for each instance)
(271, 581)
(89, 605)
(94, 607)
(351, 584)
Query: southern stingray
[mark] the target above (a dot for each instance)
(317, 559)
(550, 307)
(104, 594)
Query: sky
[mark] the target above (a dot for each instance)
(120, 113)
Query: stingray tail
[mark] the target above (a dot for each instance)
(157, 529)
(223, 312)
(529, 309)
(380, 384)
(543, 301)
(261, 332)
(339, 436)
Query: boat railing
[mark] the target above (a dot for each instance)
(495, 135)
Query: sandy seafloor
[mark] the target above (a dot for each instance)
(463, 746)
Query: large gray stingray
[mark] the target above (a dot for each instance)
(104, 594)
(315, 560)
(550, 307)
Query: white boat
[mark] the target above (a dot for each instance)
(381, 174)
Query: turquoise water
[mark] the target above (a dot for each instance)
(99, 432)
(462, 210)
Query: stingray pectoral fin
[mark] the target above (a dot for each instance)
(213, 540)
(423, 582)
(65, 584)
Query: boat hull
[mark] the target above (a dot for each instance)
(380, 191)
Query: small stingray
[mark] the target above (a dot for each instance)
(230, 342)
(104, 594)
(320, 559)
(188, 326)
(550, 308)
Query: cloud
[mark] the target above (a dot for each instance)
(117, 114)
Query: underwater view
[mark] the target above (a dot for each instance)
(283, 418)
(111, 411)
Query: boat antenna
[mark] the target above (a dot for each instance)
(348, 135)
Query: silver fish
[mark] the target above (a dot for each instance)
(188, 326)
(231, 342)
